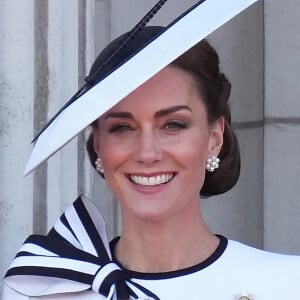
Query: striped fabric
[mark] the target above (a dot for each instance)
(74, 256)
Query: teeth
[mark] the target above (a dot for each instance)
(153, 180)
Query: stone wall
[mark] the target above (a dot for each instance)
(46, 49)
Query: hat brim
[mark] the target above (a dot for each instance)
(182, 34)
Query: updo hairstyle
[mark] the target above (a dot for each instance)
(202, 62)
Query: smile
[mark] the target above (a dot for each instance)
(152, 180)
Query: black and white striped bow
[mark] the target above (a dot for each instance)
(74, 256)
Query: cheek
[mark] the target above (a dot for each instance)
(195, 149)
(112, 157)
(195, 157)
(113, 154)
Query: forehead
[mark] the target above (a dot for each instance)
(171, 86)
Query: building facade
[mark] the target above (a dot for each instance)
(46, 49)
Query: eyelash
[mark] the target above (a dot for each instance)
(175, 125)
(171, 125)
(119, 128)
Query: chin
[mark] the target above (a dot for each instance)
(145, 213)
(151, 213)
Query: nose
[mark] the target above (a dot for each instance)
(148, 149)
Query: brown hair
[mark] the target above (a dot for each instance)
(202, 62)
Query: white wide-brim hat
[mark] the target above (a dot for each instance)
(127, 63)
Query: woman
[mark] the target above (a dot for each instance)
(158, 148)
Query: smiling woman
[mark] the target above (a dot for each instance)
(163, 146)
(160, 129)
(207, 84)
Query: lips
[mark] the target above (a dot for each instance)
(152, 180)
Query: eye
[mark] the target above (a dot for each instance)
(174, 125)
(120, 128)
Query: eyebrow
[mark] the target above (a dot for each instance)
(171, 110)
(119, 114)
(160, 113)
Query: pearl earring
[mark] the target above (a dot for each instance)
(98, 164)
(212, 163)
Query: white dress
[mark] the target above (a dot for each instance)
(232, 271)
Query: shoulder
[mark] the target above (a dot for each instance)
(253, 263)
(262, 270)
(263, 274)
(247, 254)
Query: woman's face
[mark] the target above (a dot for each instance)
(154, 145)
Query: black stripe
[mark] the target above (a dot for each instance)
(64, 250)
(51, 272)
(112, 278)
(91, 230)
(64, 220)
(25, 253)
(144, 290)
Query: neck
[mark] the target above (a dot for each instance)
(172, 244)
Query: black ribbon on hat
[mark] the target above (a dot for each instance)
(92, 80)
(74, 256)
(111, 63)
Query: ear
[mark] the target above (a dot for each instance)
(96, 140)
(216, 137)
